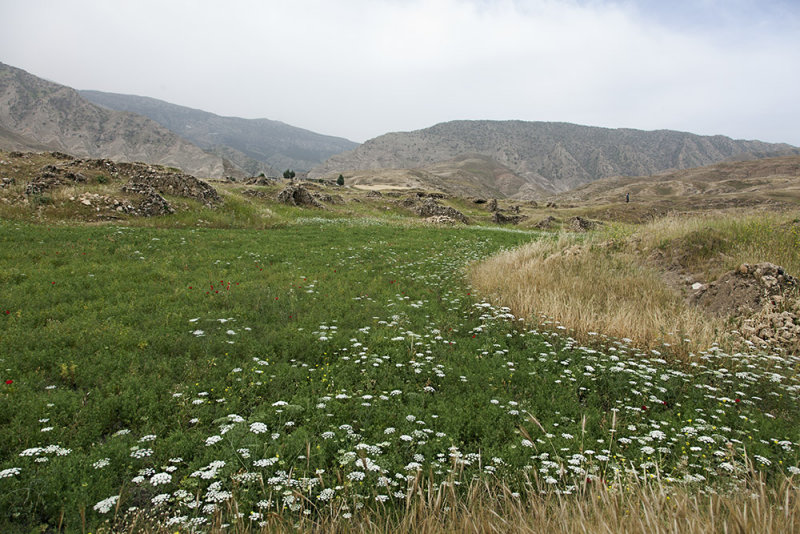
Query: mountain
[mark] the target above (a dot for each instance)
(542, 156)
(256, 145)
(769, 181)
(36, 114)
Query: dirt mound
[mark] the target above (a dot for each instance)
(746, 290)
(429, 208)
(764, 296)
(297, 195)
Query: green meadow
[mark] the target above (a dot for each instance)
(193, 378)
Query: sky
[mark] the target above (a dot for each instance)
(362, 68)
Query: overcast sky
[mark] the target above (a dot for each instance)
(361, 68)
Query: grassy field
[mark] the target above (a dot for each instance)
(333, 371)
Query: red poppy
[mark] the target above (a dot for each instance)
(9, 382)
(644, 408)
(738, 400)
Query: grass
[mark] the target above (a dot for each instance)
(322, 372)
(613, 281)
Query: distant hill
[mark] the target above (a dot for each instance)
(256, 145)
(36, 114)
(755, 182)
(541, 156)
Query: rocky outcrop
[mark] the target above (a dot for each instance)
(148, 182)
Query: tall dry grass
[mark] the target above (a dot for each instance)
(615, 281)
(642, 508)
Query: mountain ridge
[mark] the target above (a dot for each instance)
(256, 145)
(37, 114)
(547, 156)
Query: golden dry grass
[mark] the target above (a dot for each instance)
(615, 281)
(642, 508)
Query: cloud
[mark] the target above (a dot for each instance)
(359, 68)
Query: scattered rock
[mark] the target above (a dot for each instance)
(297, 195)
(552, 205)
(441, 219)
(7, 182)
(329, 199)
(492, 206)
(374, 194)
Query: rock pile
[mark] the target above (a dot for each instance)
(744, 291)
(329, 199)
(174, 183)
(297, 195)
(430, 208)
(52, 177)
(579, 224)
(764, 296)
(151, 203)
(546, 223)
(499, 218)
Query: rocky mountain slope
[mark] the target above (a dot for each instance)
(544, 156)
(755, 182)
(256, 145)
(37, 114)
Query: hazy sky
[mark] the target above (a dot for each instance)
(361, 68)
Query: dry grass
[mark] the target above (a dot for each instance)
(646, 508)
(616, 281)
